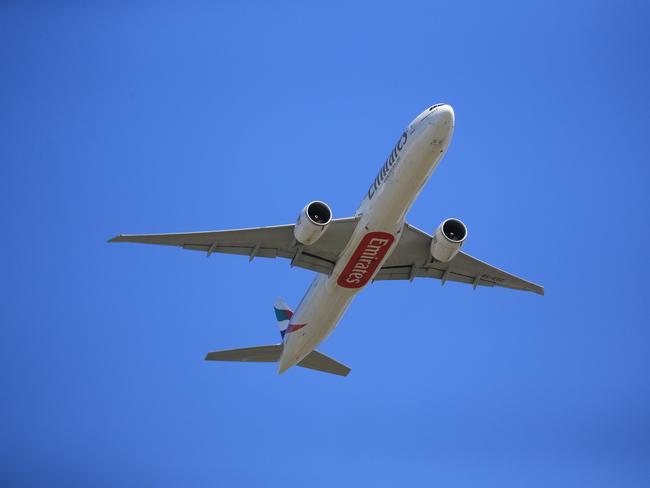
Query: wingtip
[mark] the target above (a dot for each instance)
(115, 239)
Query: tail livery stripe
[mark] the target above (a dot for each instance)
(283, 314)
(294, 327)
(291, 328)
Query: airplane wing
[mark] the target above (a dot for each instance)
(412, 259)
(265, 242)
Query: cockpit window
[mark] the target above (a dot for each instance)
(436, 105)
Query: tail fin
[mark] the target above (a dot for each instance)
(283, 313)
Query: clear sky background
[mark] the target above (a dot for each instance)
(163, 117)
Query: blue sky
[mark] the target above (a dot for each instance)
(163, 117)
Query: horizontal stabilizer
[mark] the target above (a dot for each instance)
(319, 361)
(259, 354)
(271, 354)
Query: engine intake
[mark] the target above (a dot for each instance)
(448, 239)
(312, 222)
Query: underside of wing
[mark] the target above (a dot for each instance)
(412, 259)
(264, 242)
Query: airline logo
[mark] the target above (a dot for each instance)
(362, 265)
(392, 160)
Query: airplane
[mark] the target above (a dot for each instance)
(376, 243)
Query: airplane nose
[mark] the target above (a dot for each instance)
(440, 127)
(445, 114)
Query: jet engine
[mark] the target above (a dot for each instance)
(312, 222)
(448, 239)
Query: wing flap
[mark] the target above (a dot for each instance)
(262, 252)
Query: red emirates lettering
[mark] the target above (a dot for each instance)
(362, 265)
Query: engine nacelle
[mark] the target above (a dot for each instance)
(448, 239)
(312, 222)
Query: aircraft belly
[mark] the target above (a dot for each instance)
(375, 238)
(320, 311)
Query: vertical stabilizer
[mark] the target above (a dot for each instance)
(283, 313)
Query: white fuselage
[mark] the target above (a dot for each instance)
(381, 218)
